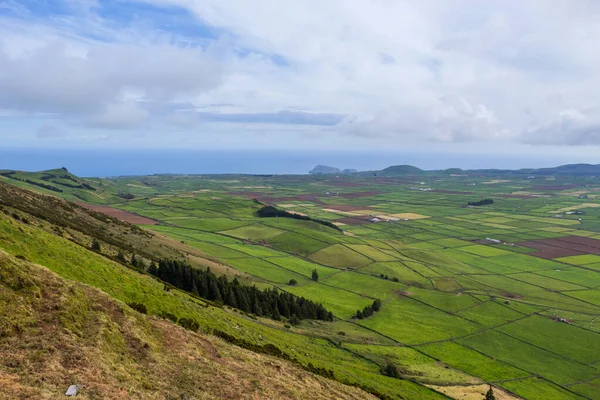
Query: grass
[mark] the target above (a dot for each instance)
(411, 322)
(530, 358)
(265, 270)
(76, 334)
(567, 340)
(339, 256)
(342, 303)
(472, 362)
(296, 243)
(399, 270)
(449, 288)
(253, 232)
(580, 260)
(302, 266)
(533, 388)
(365, 285)
(484, 251)
(413, 364)
(491, 313)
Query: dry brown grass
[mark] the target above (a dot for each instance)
(476, 392)
(55, 333)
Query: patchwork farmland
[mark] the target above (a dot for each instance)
(504, 294)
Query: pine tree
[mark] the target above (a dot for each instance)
(376, 305)
(490, 394)
(315, 275)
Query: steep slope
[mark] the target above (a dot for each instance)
(55, 333)
(65, 250)
(81, 225)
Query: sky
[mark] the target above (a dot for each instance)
(485, 77)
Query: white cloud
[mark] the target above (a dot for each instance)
(398, 70)
(99, 82)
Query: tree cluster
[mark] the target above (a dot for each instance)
(126, 196)
(250, 299)
(368, 310)
(40, 184)
(482, 202)
(387, 278)
(272, 212)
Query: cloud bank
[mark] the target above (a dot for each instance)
(391, 71)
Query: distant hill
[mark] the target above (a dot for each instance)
(401, 170)
(324, 169)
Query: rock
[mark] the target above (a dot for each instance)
(72, 390)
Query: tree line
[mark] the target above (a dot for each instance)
(268, 302)
(482, 202)
(272, 212)
(40, 184)
(368, 310)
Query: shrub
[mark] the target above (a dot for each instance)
(189, 324)
(138, 307)
(391, 370)
(96, 245)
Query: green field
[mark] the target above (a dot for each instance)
(458, 309)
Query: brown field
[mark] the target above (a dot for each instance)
(475, 392)
(358, 220)
(563, 246)
(120, 214)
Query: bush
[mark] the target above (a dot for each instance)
(138, 307)
(391, 370)
(295, 320)
(169, 316)
(189, 324)
(96, 245)
(293, 282)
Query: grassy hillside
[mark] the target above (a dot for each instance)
(309, 346)
(505, 293)
(54, 333)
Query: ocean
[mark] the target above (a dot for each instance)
(104, 162)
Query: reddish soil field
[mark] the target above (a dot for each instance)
(581, 240)
(353, 220)
(574, 246)
(548, 251)
(120, 214)
(563, 246)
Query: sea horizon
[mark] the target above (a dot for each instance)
(128, 162)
